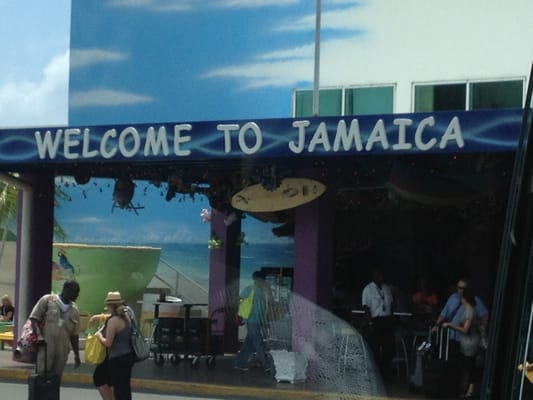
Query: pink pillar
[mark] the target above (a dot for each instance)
(224, 272)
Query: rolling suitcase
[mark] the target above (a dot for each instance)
(43, 386)
(440, 376)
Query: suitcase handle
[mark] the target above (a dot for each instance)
(444, 348)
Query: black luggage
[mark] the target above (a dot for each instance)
(441, 375)
(43, 386)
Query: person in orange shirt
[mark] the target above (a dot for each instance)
(426, 304)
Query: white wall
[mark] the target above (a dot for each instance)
(407, 41)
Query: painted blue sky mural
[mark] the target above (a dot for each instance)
(145, 61)
(157, 60)
(160, 60)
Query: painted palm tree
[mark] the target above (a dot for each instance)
(9, 207)
(8, 211)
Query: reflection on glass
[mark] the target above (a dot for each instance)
(484, 95)
(441, 97)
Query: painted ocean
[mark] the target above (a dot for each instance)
(193, 259)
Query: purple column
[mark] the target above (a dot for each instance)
(34, 243)
(314, 250)
(224, 273)
(313, 267)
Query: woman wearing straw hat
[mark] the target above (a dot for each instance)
(116, 337)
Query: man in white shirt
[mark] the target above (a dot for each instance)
(377, 302)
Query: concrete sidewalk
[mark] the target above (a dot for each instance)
(221, 381)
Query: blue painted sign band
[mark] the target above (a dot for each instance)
(444, 132)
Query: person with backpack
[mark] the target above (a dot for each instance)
(116, 337)
(253, 309)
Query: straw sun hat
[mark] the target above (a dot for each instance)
(113, 298)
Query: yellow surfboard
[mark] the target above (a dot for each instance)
(291, 193)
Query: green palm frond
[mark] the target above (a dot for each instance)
(59, 232)
(8, 203)
(9, 207)
(60, 195)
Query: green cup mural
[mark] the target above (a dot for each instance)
(100, 269)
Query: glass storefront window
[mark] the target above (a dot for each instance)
(482, 95)
(356, 101)
(369, 100)
(506, 94)
(440, 97)
(330, 103)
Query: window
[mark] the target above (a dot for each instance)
(480, 95)
(506, 94)
(330, 103)
(440, 97)
(369, 100)
(355, 101)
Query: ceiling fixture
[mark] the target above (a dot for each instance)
(123, 194)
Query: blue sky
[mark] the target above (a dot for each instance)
(88, 217)
(182, 60)
(34, 44)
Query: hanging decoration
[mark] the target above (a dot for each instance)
(123, 194)
(205, 214)
(230, 218)
(214, 243)
(240, 240)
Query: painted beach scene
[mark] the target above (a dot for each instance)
(150, 248)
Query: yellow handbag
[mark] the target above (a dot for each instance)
(245, 305)
(95, 351)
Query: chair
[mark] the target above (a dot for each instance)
(6, 338)
(401, 356)
(352, 350)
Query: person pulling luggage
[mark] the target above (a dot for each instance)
(61, 319)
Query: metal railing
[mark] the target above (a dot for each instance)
(183, 286)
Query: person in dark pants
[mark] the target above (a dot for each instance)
(117, 338)
(377, 302)
(261, 298)
(453, 313)
(101, 378)
(470, 344)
